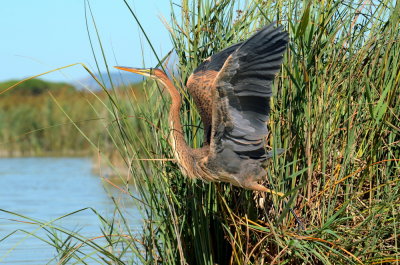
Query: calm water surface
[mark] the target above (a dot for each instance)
(47, 188)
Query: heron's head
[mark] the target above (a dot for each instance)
(152, 73)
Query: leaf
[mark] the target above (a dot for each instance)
(381, 111)
(304, 21)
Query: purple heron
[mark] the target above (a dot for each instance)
(232, 91)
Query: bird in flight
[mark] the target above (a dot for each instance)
(232, 91)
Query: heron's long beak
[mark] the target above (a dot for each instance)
(140, 71)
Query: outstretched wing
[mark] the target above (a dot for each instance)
(200, 82)
(242, 93)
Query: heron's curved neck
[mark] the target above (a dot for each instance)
(177, 139)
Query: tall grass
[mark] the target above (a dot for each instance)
(33, 118)
(35, 125)
(335, 112)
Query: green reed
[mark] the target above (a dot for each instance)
(335, 113)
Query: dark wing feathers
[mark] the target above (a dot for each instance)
(242, 91)
(216, 61)
(200, 82)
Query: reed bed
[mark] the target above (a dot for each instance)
(335, 111)
(39, 118)
(34, 123)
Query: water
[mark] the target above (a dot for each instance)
(45, 189)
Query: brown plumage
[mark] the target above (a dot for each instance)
(231, 90)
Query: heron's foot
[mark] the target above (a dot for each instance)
(300, 225)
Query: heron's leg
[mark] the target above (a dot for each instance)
(259, 187)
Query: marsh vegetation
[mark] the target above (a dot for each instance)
(335, 110)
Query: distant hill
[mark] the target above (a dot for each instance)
(35, 87)
(118, 79)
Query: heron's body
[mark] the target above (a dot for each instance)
(231, 90)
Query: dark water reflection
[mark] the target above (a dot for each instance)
(47, 188)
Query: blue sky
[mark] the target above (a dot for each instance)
(40, 35)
